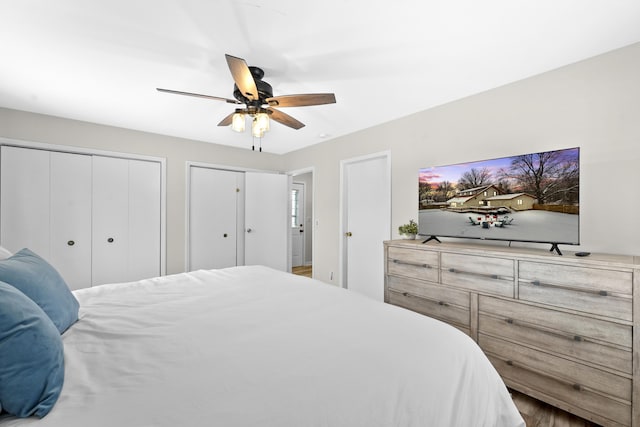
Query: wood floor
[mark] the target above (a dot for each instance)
(539, 414)
(305, 270)
(534, 412)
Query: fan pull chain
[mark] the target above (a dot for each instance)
(253, 146)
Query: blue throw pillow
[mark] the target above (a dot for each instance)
(38, 280)
(31, 355)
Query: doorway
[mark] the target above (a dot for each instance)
(365, 206)
(297, 224)
(302, 257)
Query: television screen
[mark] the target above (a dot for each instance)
(527, 198)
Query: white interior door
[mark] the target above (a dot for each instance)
(297, 224)
(24, 200)
(70, 218)
(215, 224)
(366, 191)
(267, 220)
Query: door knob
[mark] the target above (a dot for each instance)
(224, 235)
(348, 234)
(248, 230)
(110, 240)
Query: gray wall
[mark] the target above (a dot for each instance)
(593, 104)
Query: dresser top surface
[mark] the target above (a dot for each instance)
(541, 255)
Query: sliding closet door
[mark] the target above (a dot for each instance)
(126, 220)
(70, 217)
(267, 220)
(144, 219)
(24, 200)
(46, 207)
(110, 219)
(215, 232)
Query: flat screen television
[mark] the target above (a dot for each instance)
(526, 198)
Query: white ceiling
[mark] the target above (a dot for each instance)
(101, 60)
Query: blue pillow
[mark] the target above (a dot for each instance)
(31, 351)
(38, 280)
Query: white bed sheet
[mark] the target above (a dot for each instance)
(251, 346)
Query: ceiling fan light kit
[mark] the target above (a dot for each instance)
(257, 96)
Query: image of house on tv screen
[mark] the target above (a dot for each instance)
(531, 198)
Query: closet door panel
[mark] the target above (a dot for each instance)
(110, 220)
(70, 217)
(24, 200)
(144, 219)
(213, 211)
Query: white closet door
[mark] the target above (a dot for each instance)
(144, 219)
(70, 218)
(24, 200)
(267, 220)
(110, 220)
(213, 213)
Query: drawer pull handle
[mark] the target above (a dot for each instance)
(406, 294)
(452, 270)
(535, 283)
(442, 303)
(397, 261)
(510, 362)
(577, 387)
(509, 320)
(578, 338)
(71, 243)
(494, 276)
(603, 293)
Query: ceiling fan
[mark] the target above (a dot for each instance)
(257, 96)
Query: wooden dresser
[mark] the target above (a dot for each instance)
(558, 328)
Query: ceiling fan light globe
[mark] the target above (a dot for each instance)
(262, 121)
(257, 126)
(238, 122)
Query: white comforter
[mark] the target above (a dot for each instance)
(251, 346)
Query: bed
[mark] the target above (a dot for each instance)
(252, 346)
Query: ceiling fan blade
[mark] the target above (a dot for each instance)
(302, 100)
(242, 76)
(198, 95)
(227, 120)
(285, 119)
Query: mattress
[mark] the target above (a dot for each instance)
(252, 346)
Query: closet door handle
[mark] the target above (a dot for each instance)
(71, 243)
(110, 240)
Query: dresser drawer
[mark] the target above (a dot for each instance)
(449, 305)
(413, 263)
(599, 392)
(580, 401)
(588, 339)
(592, 290)
(478, 274)
(565, 370)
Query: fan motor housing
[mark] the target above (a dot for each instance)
(264, 89)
